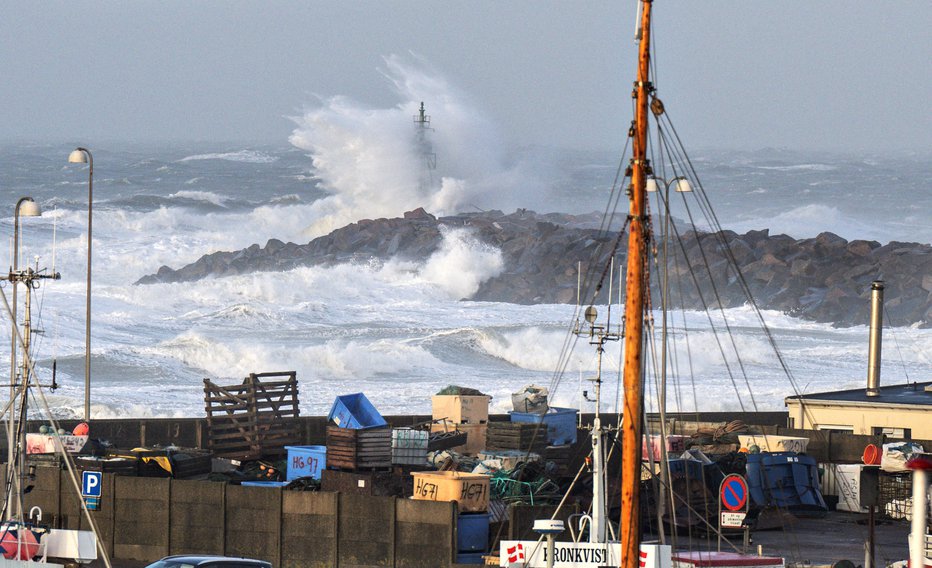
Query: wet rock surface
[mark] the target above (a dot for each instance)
(825, 278)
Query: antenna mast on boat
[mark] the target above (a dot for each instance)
(599, 335)
(635, 285)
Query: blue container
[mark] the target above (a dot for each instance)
(786, 480)
(560, 422)
(264, 483)
(305, 461)
(472, 532)
(470, 557)
(354, 411)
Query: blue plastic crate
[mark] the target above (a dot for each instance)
(264, 483)
(472, 532)
(354, 411)
(470, 558)
(305, 461)
(560, 422)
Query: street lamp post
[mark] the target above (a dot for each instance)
(83, 156)
(25, 207)
(682, 186)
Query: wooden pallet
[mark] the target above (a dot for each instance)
(523, 436)
(355, 450)
(253, 420)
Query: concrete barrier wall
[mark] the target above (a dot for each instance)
(309, 529)
(253, 522)
(424, 535)
(366, 536)
(197, 520)
(143, 519)
(141, 526)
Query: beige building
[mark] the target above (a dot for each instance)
(899, 411)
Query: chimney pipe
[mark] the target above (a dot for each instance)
(876, 333)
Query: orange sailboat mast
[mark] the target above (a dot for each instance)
(635, 286)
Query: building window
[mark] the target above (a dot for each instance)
(890, 432)
(840, 428)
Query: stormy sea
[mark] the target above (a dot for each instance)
(400, 331)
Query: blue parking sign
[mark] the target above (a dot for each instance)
(90, 483)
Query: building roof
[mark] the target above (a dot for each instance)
(910, 393)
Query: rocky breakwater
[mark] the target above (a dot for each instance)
(825, 278)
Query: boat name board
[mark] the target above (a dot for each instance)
(533, 554)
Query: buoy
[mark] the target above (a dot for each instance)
(81, 429)
(44, 429)
(743, 451)
(19, 544)
(754, 449)
(871, 455)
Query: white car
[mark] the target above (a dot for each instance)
(201, 561)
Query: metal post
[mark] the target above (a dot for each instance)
(87, 328)
(14, 281)
(875, 339)
(79, 156)
(24, 403)
(917, 539)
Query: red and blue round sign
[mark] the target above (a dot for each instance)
(734, 492)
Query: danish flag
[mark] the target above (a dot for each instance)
(515, 553)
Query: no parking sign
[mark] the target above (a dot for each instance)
(734, 492)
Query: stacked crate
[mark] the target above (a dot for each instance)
(464, 413)
(409, 447)
(470, 492)
(520, 436)
(358, 438)
(352, 449)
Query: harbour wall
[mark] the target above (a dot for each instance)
(144, 519)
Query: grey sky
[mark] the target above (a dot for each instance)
(835, 75)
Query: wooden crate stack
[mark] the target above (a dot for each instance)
(358, 450)
(254, 419)
(521, 436)
(464, 413)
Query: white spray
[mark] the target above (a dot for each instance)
(369, 162)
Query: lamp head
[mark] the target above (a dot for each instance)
(591, 314)
(682, 185)
(29, 208)
(77, 157)
(651, 185)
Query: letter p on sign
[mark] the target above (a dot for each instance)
(90, 486)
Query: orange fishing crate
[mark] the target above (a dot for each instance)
(469, 490)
